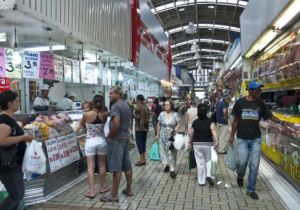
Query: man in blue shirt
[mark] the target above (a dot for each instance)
(222, 124)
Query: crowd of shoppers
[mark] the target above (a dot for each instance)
(107, 139)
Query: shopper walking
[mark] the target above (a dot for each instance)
(201, 138)
(12, 150)
(94, 122)
(141, 114)
(191, 115)
(118, 144)
(222, 124)
(176, 104)
(156, 110)
(247, 113)
(168, 121)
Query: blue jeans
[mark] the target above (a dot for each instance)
(248, 149)
(141, 138)
(155, 122)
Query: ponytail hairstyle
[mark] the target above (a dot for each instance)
(202, 111)
(98, 102)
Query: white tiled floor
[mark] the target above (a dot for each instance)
(289, 197)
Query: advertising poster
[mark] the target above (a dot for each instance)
(13, 68)
(5, 84)
(73, 147)
(31, 64)
(76, 72)
(47, 66)
(58, 63)
(68, 70)
(53, 155)
(2, 63)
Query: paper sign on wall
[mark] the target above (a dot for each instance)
(53, 155)
(2, 63)
(73, 147)
(95, 74)
(47, 66)
(76, 72)
(31, 64)
(68, 70)
(58, 63)
(13, 68)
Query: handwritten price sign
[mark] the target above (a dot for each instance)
(47, 66)
(31, 64)
(73, 148)
(53, 155)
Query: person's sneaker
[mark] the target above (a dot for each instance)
(167, 169)
(240, 182)
(253, 195)
(210, 181)
(202, 185)
(173, 174)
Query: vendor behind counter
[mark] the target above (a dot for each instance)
(43, 102)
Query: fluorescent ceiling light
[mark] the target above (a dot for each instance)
(181, 9)
(204, 25)
(210, 29)
(46, 48)
(202, 40)
(288, 14)
(2, 34)
(236, 62)
(2, 40)
(211, 7)
(191, 29)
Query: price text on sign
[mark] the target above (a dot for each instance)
(58, 63)
(73, 148)
(47, 66)
(53, 155)
(13, 68)
(31, 64)
(63, 150)
(76, 72)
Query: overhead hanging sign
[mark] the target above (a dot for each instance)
(76, 72)
(2, 63)
(31, 64)
(108, 77)
(13, 68)
(89, 72)
(58, 63)
(95, 73)
(68, 70)
(84, 74)
(47, 66)
(104, 76)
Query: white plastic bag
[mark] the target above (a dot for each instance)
(179, 142)
(34, 159)
(186, 140)
(214, 162)
(2, 188)
(64, 104)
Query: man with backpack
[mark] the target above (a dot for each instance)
(156, 110)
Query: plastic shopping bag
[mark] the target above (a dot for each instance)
(34, 159)
(192, 160)
(154, 152)
(64, 104)
(214, 162)
(186, 142)
(179, 142)
(231, 159)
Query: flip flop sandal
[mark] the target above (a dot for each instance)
(140, 163)
(106, 190)
(87, 195)
(125, 192)
(108, 199)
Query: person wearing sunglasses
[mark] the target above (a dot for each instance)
(247, 113)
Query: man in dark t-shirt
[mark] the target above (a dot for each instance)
(247, 113)
(222, 124)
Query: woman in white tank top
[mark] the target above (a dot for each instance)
(94, 122)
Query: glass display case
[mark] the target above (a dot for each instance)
(64, 150)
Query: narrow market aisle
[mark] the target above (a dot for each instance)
(154, 189)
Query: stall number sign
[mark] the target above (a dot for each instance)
(62, 151)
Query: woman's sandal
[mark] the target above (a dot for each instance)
(105, 191)
(108, 199)
(125, 192)
(88, 195)
(139, 163)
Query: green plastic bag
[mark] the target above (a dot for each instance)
(4, 194)
(154, 152)
(192, 160)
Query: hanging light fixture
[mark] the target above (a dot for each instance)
(196, 56)
(191, 29)
(198, 63)
(194, 46)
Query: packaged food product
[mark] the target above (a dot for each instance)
(41, 118)
(64, 116)
(20, 124)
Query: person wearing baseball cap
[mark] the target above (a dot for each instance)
(43, 102)
(247, 113)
